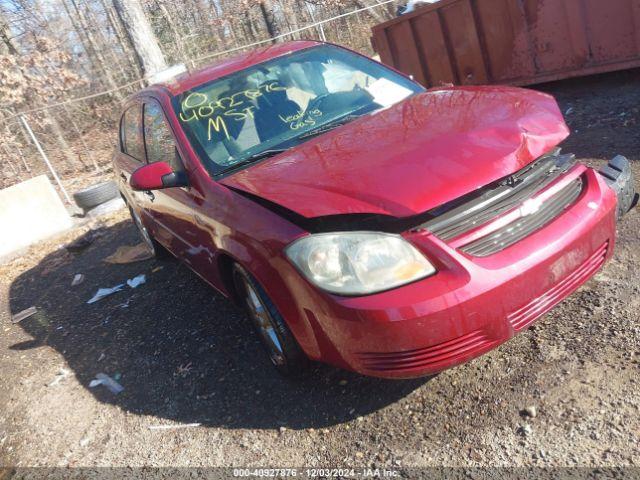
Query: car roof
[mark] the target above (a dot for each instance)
(188, 80)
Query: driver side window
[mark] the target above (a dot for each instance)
(159, 139)
(130, 133)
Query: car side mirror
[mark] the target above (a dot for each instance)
(156, 176)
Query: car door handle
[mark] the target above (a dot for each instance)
(150, 194)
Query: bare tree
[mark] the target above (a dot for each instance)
(97, 45)
(143, 39)
(268, 9)
(378, 17)
(7, 45)
(176, 34)
(90, 44)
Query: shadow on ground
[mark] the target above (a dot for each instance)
(184, 352)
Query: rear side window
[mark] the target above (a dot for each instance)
(131, 133)
(158, 138)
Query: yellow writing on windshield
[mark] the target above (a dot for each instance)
(238, 106)
(188, 119)
(301, 118)
(218, 125)
(193, 100)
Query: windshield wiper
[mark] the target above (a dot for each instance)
(253, 158)
(264, 154)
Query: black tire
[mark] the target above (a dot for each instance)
(157, 250)
(628, 197)
(619, 176)
(95, 195)
(293, 361)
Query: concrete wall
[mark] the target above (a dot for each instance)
(30, 211)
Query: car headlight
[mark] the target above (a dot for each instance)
(357, 263)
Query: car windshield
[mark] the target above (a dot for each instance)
(263, 110)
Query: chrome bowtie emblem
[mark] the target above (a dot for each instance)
(530, 206)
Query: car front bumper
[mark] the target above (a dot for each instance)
(472, 304)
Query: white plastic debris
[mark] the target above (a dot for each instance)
(61, 375)
(107, 381)
(77, 279)
(171, 427)
(125, 304)
(105, 292)
(136, 281)
(412, 4)
(18, 317)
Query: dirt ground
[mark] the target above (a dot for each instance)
(186, 356)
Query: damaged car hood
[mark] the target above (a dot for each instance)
(430, 149)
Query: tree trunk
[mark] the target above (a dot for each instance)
(101, 40)
(58, 134)
(79, 33)
(143, 39)
(372, 11)
(268, 13)
(95, 51)
(123, 39)
(291, 16)
(16, 142)
(7, 44)
(85, 148)
(249, 27)
(16, 173)
(182, 52)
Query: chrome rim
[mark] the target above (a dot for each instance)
(262, 320)
(142, 231)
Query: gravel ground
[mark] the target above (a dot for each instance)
(563, 393)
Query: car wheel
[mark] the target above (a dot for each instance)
(157, 250)
(283, 349)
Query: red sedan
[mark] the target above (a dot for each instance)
(362, 220)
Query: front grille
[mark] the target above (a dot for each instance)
(463, 215)
(518, 229)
